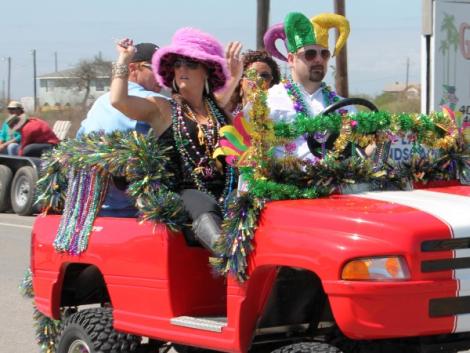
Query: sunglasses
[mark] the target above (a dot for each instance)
(147, 66)
(266, 76)
(190, 64)
(311, 54)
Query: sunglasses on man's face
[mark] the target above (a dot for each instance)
(147, 66)
(190, 64)
(311, 54)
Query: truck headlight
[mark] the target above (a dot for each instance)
(387, 268)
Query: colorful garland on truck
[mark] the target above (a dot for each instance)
(269, 178)
(91, 161)
(46, 328)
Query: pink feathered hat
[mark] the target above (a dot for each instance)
(197, 45)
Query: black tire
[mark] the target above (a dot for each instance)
(308, 347)
(5, 184)
(179, 348)
(91, 331)
(23, 191)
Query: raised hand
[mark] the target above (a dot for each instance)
(125, 48)
(234, 59)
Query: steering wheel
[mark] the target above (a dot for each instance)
(315, 146)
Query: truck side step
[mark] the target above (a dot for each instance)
(212, 323)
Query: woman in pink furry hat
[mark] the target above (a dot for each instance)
(193, 66)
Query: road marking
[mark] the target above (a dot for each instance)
(15, 225)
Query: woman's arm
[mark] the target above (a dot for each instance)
(137, 108)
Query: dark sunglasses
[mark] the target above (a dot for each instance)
(311, 54)
(266, 76)
(190, 64)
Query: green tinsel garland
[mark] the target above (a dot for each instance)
(46, 328)
(52, 185)
(449, 165)
(139, 158)
(365, 123)
(239, 229)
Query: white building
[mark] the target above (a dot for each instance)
(61, 89)
(412, 90)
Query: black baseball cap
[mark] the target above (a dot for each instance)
(144, 52)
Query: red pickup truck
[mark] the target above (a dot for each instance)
(370, 272)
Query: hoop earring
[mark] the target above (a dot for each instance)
(206, 86)
(175, 87)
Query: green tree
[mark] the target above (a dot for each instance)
(86, 72)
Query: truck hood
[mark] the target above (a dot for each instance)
(387, 221)
(450, 205)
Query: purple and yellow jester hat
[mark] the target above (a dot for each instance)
(297, 31)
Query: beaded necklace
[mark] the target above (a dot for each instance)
(293, 91)
(201, 164)
(302, 109)
(85, 194)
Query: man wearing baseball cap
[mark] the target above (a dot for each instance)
(104, 117)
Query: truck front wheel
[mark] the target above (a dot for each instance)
(91, 331)
(308, 347)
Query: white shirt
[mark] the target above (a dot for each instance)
(282, 109)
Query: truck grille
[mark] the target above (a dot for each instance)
(449, 306)
(445, 244)
(445, 264)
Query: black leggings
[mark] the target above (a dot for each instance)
(36, 149)
(197, 203)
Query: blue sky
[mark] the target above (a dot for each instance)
(384, 33)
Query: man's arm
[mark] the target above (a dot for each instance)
(131, 106)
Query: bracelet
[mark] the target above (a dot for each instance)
(120, 70)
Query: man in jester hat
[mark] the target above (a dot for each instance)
(305, 91)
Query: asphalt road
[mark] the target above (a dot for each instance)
(16, 325)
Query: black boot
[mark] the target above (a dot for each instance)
(207, 230)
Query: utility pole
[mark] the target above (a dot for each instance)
(34, 79)
(262, 22)
(56, 66)
(9, 80)
(341, 58)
